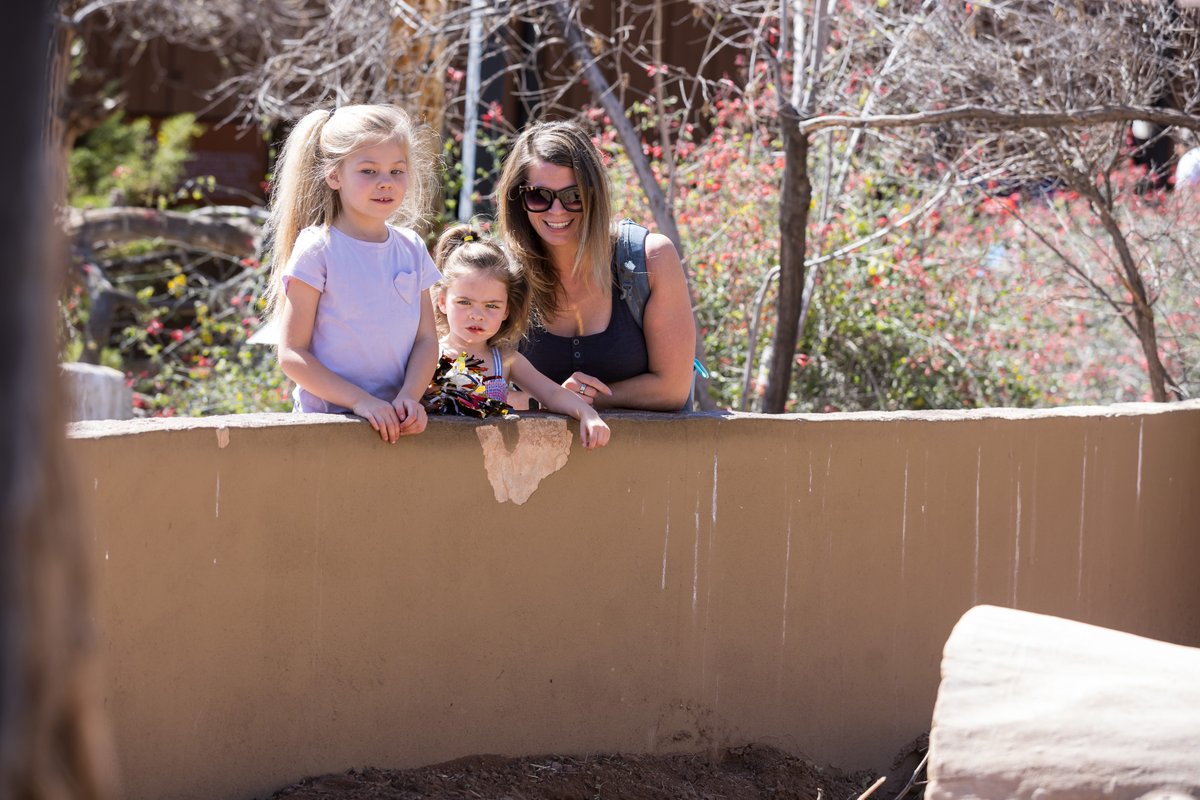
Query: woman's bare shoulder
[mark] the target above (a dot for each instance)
(661, 253)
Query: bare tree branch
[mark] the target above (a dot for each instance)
(999, 119)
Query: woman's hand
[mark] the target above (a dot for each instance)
(587, 387)
(380, 414)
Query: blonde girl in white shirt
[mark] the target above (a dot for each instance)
(348, 281)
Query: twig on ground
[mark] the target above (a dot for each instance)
(871, 791)
(913, 780)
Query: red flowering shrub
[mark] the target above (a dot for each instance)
(963, 307)
(726, 203)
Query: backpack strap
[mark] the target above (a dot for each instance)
(634, 281)
(632, 277)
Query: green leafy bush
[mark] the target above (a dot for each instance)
(130, 161)
(958, 307)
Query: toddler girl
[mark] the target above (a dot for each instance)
(348, 287)
(482, 309)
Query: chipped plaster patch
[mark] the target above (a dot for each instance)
(542, 449)
(222, 438)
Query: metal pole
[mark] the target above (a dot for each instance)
(466, 205)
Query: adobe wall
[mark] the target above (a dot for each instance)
(288, 596)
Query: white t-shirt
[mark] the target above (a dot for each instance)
(1187, 171)
(369, 310)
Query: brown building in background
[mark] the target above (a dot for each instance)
(164, 80)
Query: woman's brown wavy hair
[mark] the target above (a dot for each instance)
(564, 144)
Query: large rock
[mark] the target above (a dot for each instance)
(1032, 706)
(95, 392)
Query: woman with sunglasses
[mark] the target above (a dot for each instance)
(555, 216)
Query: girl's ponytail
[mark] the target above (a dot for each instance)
(451, 239)
(299, 197)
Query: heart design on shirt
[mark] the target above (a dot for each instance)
(406, 284)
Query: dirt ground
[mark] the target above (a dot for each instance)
(747, 773)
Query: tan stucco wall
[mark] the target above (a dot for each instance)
(285, 596)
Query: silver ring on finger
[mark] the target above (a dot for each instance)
(583, 390)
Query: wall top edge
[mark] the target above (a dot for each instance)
(99, 429)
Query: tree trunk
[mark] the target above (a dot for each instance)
(58, 135)
(53, 742)
(1032, 706)
(1143, 312)
(794, 199)
(413, 59)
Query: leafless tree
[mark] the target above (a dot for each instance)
(1035, 93)
(378, 51)
(792, 40)
(1008, 89)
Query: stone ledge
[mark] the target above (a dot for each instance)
(103, 428)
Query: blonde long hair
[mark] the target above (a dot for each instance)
(462, 250)
(316, 147)
(563, 144)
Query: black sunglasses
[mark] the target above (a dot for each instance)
(538, 198)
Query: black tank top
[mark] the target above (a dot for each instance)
(614, 354)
